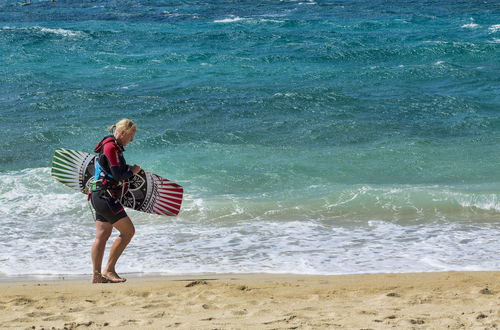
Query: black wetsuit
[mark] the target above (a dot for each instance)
(112, 181)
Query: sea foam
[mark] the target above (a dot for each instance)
(230, 19)
(470, 26)
(47, 228)
(63, 32)
(494, 28)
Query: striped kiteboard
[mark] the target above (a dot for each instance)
(147, 192)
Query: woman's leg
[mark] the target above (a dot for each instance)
(127, 231)
(102, 233)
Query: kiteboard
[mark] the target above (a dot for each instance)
(147, 192)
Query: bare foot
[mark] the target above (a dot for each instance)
(114, 277)
(98, 278)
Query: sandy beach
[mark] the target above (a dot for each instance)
(452, 300)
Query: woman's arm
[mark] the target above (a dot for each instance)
(119, 171)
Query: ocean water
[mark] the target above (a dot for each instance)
(316, 137)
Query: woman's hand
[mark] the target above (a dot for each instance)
(135, 169)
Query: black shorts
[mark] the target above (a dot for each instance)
(107, 208)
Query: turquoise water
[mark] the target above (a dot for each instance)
(298, 127)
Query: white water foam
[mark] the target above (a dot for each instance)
(489, 202)
(273, 247)
(309, 2)
(470, 26)
(230, 19)
(494, 28)
(63, 32)
(233, 19)
(58, 31)
(47, 229)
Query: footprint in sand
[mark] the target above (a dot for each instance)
(240, 312)
(195, 283)
(143, 294)
(243, 288)
(486, 291)
(157, 315)
(128, 322)
(21, 301)
(74, 325)
(393, 294)
(419, 300)
(481, 316)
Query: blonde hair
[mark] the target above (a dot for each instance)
(125, 125)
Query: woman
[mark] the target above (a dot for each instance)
(112, 173)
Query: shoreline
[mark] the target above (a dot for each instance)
(258, 301)
(136, 275)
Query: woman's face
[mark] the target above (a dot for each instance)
(125, 138)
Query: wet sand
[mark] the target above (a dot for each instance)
(453, 300)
